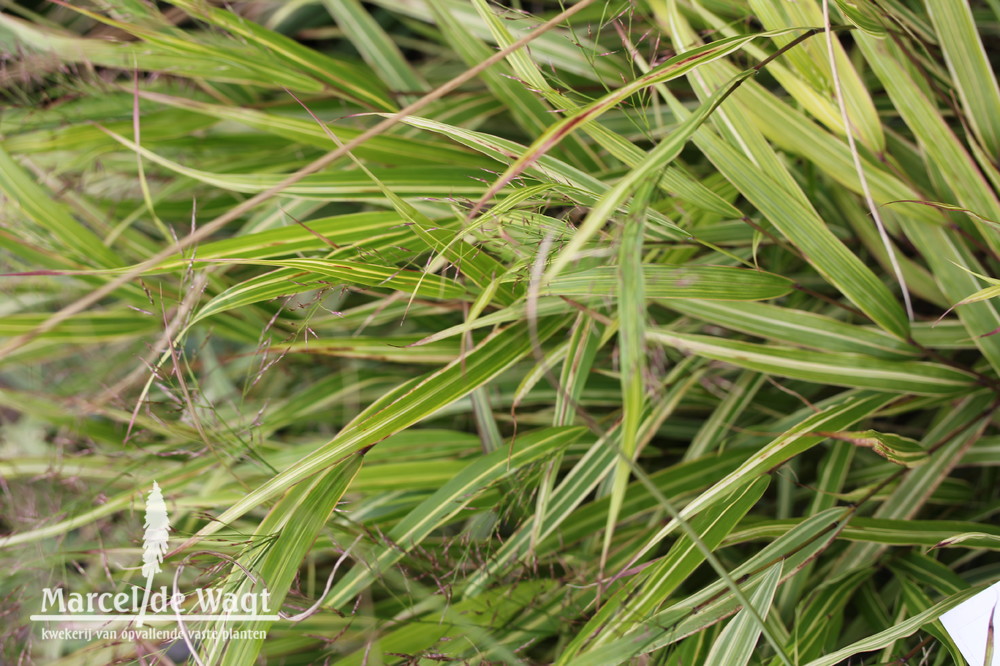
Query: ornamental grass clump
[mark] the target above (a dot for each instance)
(610, 332)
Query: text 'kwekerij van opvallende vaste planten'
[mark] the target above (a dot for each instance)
(408, 332)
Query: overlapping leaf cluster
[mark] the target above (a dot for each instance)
(621, 350)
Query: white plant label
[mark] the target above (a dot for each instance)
(969, 626)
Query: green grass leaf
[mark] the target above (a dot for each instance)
(840, 369)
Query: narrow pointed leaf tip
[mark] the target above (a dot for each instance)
(894, 448)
